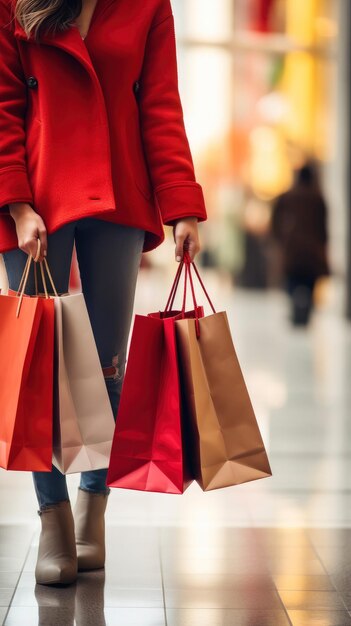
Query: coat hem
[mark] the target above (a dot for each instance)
(152, 238)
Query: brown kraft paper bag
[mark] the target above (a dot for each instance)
(226, 444)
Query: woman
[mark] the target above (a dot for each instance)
(93, 152)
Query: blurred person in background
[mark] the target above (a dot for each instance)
(299, 225)
(254, 273)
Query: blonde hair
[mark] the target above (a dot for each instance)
(36, 16)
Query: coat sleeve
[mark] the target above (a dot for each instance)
(165, 141)
(14, 183)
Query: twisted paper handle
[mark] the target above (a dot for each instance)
(25, 274)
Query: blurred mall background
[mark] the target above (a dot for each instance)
(265, 87)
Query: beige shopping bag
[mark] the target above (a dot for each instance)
(227, 447)
(83, 417)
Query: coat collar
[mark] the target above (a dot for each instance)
(69, 40)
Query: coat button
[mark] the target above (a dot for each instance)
(32, 82)
(136, 86)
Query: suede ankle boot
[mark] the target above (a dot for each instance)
(89, 522)
(57, 555)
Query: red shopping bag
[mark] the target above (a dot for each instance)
(148, 450)
(26, 380)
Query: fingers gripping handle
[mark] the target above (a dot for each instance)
(25, 274)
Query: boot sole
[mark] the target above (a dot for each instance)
(57, 583)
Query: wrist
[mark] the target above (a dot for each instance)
(185, 218)
(17, 209)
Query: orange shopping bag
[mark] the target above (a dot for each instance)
(26, 379)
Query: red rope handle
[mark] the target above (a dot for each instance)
(197, 324)
(190, 262)
(186, 260)
(176, 283)
(174, 287)
(184, 292)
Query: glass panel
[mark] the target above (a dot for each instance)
(208, 20)
(208, 73)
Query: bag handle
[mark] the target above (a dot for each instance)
(187, 262)
(25, 274)
(174, 287)
(50, 276)
(190, 263)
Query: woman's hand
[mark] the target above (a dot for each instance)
(186, 236)
(29, 228)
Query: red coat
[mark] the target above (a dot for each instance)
(97, 133)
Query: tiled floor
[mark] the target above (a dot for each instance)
(273, 552)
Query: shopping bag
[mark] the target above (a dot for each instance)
(148, 450)
(227, 445)
(83, 421)
(83, 416)
(26, 379)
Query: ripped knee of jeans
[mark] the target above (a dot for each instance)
(115, 370)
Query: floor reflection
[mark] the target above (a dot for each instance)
(81, 604)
